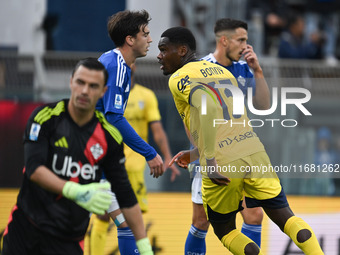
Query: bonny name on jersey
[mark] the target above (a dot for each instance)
(73, 169)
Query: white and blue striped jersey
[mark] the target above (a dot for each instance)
(240, 70)
(119, 83)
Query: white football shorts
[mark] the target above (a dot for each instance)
(114, 203)
(196, 186)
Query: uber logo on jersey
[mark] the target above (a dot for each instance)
(118, 101)
(73, 169)
(34, 132)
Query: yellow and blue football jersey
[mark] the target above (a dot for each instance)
(235, 138)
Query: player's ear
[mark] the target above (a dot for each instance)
(182, 50)
(129, 40)
(224, 40)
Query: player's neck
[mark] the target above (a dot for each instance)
(80, 117)
(221, 58)
(127, 55)
(191, 56)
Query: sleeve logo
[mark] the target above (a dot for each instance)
(183, 83)
(118, 101)
(34, 133)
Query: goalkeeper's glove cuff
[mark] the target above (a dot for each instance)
(70, 190)
(92, 197)
(144, 246)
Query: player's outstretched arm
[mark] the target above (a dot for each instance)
(136, 143)
(161, 140)
(183, 158)
(156, 166)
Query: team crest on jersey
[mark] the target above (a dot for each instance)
(118, 101)
(241, 80)
(96, 151)
(141, 105)
(34, 132)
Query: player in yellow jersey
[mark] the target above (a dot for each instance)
(231, 44)
(142, 113)
(203, 93)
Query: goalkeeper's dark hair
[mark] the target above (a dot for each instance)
(92, 64)
(229, 24)
(180, 35)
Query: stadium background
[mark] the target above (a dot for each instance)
(40, 41)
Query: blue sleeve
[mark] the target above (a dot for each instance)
(130, 137)
(113, 100)
(118, 85)
(250, 80)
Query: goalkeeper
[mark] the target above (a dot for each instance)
(67, 147)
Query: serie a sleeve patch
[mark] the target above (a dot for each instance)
(34, 132)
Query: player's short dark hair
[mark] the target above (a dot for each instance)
(229, 24)
(181, 35)
(125, 23)
(92, 64)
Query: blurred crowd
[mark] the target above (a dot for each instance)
(327, 155)
(299, 29)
